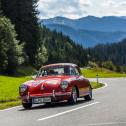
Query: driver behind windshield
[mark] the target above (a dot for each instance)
(62, 70)
(50, 72)
(66, 70)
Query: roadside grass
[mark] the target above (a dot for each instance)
(9, 90)
(96, 85)
(102, 73)
(9, 104)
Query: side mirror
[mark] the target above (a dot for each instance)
(35, 74)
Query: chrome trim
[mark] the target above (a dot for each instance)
(53, 93)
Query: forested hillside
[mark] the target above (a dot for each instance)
(110, 55)
(24, 42)
(63, 49)
(23, 15)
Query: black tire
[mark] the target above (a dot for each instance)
(27, 105)
(48, 103)
(89, 96)
(73, 98)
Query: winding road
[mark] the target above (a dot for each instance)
(108, 108)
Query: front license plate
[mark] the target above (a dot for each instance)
(41, 100)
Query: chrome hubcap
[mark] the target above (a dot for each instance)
(74, 95)
(90, 94)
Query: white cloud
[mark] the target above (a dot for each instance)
(80, 8)
(85, 3)
(109, 3)
(122, 4)
(51, 8)
(114, 4)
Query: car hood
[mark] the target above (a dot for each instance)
(46, 84)
(53, 80)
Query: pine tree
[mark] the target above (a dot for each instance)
(23, 14)
(61, 48)
(10, 50)
(0, 8)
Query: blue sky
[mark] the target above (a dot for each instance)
(79, 8)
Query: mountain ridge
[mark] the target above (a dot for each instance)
(89, 31)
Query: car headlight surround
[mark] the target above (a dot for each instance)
(23, 88)
(64, 84)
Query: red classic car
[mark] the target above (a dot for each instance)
(53, 83)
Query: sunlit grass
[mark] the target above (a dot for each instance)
(9, 90)
(9, 104)
(102, 73)
(96, 85)
(9, 87)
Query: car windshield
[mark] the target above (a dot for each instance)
(56, 70)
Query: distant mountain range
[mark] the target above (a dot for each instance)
(90, 30)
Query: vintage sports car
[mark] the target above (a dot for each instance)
(54, 83)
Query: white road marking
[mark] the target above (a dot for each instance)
(65, 112)
(10, 108)
(105, 85)
(109, 123)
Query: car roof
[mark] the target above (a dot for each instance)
(60, 64)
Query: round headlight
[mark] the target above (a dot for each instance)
(23, 88)
(64, 84)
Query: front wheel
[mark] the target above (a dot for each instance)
(73, 98)
(48, 103)
(89, 96)
(27, 105)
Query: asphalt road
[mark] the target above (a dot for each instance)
(108, 108)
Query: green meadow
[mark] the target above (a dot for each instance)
(9, 90)
(101, 72)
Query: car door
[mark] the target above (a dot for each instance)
(82, 83)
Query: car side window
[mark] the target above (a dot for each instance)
(77, 72)
(74, 71)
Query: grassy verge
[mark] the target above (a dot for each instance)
(102, 73)
(9, 90)
(96, 85)
(9, 104)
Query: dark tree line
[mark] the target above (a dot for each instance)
(36, 45)
(62, 49)
(23, 15)
(24, 42)
(114, 53)
(10, 49)
(20, 18)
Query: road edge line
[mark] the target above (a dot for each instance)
(67, 111)
(105, 85)
(7, 109)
